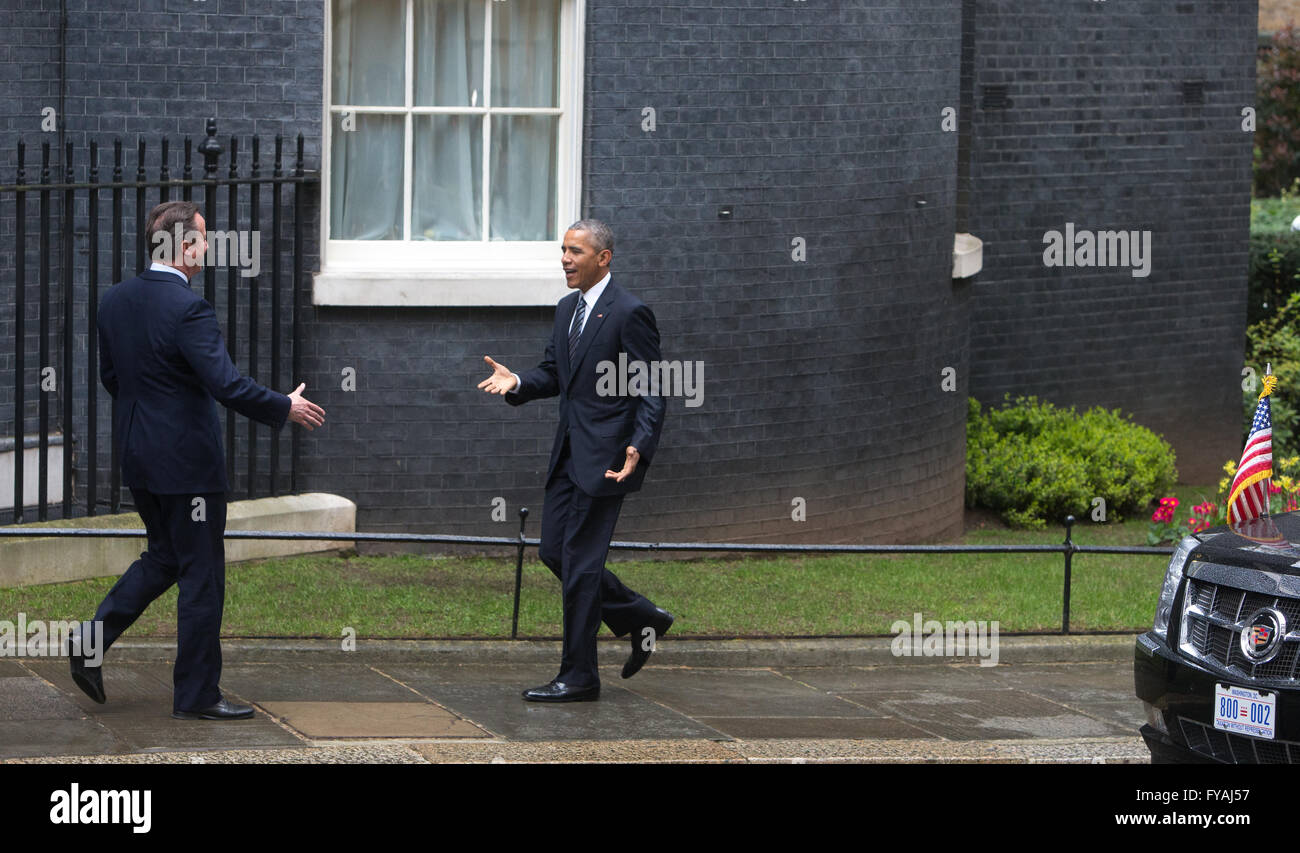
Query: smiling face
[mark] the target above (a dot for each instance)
(583, 265)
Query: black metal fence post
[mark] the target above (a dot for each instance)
(1069, 555)
(43, 361)
(20, 336)
(65, 385)
(519, 572)
(92, 332)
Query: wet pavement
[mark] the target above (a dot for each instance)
(1064, 700)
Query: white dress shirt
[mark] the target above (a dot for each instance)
(590, 297)
(160, 267)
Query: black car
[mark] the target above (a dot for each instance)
(1218, 673)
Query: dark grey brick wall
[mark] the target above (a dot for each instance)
(1097, 132)
(138, 70)
(822, 377)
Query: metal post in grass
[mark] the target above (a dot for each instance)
(1069, 554)
(519, 572)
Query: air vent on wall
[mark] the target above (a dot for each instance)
(994, 98)
(1193, 91)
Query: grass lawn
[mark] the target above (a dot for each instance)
(411, 596)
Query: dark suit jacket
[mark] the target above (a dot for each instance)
(599, 427)
(164, 361)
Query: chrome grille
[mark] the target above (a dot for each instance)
(1213, 619)
(1235, 748)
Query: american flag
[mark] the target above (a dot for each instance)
(1248, 497)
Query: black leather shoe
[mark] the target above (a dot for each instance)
(558, 691)
(642, 638)
(223, 710)
(89, 678)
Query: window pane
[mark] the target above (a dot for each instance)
(523, 177)
(366, 177)
(524, 38)
(369, 45)
(449, 53)
(447, 198)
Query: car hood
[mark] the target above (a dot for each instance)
(1269, 543)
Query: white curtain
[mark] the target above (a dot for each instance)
(525, 36)
(366, 170)
(366, 162)
(447, 151)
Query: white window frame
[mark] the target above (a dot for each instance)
(457, 272)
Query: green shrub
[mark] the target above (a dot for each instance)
(1031, 462)
(1275, 340)
(1274, 272)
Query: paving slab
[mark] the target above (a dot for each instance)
(126, 687)
(986, 714)
(493, 701)
(1079, 682)
(304, 682)
(151, 730)
(457, 702)
(740, 693)
(12, 669)
(58, 737)
(33, 698)
(754, 728)
(859, 679)
(371, 720)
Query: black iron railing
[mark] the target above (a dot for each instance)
(116, 249)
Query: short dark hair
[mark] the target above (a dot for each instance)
(164, 218)
(602, 237)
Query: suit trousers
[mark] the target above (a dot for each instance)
(576, 531)
(191, 554)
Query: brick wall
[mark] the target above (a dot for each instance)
(1100, 129)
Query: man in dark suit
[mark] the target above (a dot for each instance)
(603, 445)
(163, 360)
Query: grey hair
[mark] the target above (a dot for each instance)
(602, 237)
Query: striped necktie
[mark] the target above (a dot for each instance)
(576, 331)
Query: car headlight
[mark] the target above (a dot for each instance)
(1173, 577)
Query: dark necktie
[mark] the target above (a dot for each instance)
(576, 331)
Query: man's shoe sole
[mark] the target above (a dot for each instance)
(195, 715)
(592, 698)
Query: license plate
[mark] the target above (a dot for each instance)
(1245, 711)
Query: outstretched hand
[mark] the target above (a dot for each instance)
(633, 455)
(502, 381)
(303, 411)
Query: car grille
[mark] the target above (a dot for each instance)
(1213, 617)
(1235, 748)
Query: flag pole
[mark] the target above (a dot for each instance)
(1268, 388)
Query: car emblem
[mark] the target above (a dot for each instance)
(1261, 635)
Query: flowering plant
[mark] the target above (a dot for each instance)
(1283, 496)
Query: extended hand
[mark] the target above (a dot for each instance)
(628, 466)
(303, 411)
(502, 381)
